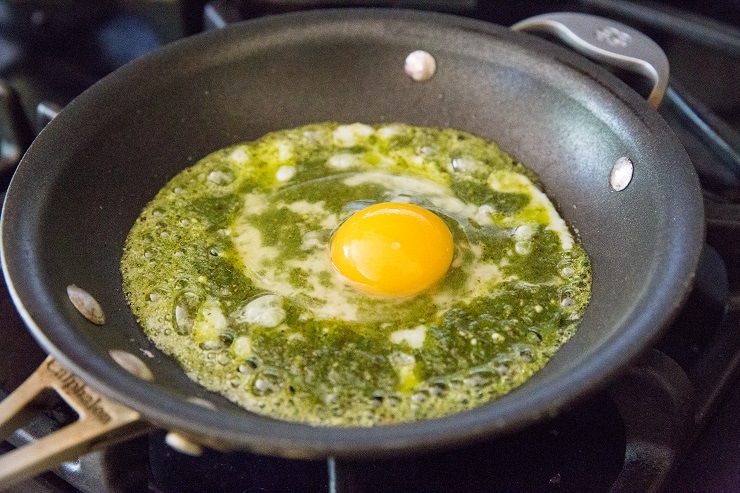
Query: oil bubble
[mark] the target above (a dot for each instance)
(266, 384)
(567, 302)
(525, 353)
(478, 378)
(221, 177)
(534, 335)
(420, 396)
(185, 310)
(438, 389)
(226, 337)
(566, 298)
(210, 345)
(462, 165)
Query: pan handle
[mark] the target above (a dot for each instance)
(16, 134)
(608, 42)
(101, 422)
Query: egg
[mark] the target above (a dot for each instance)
(392, 249)
(356, 275)
(289, 241)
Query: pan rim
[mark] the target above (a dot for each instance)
(291, 439)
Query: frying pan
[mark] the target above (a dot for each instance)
(89, 173)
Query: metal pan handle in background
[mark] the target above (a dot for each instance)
(617, 45)
(606, 41)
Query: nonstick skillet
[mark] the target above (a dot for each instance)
(605, 157)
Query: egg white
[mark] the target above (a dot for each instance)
(269, 268)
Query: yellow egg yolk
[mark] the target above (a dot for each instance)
(392, 249)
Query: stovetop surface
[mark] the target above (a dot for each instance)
(662, 419)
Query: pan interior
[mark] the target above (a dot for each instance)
(91, 171)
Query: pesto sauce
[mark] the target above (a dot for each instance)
(226, 270)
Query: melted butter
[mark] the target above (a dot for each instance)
(227, 270)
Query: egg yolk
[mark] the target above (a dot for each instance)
(392, 249)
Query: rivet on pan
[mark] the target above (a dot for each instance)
(621, 174)
(131, 364)
(183, 444)
(201, 402)
(86, 304)
(420, 65)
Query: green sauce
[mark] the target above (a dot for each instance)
(227, 271)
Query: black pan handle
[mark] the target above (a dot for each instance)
(608, 42)
(16, 133)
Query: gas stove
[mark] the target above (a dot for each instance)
(670, 423)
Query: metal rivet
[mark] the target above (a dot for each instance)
(621, 174)
(183, 444)
(420, 65)
(86, 304)
(201, 402)
(131, 364)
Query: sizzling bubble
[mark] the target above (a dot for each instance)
(266, 384)
(221, 177)
(185, 311)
